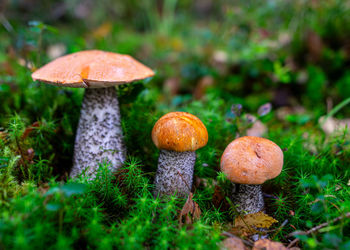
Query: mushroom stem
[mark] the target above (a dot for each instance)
(249, 198)
(99, 135)
(174, 173)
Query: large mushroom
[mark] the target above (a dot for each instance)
(178, 135)
(99, 136)
(248, 162)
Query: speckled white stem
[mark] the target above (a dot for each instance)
(249, 198)
(174, 173)
(99, 135)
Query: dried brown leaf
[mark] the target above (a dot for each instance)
(268, 245)
(247, 225)
(259, 219)
(218, 196)
(314, 44)
(189, 212)
(232, 244)
(243, 231)
(202, 86)
(258, 129)
(103, 30)
(3, 135)
(172, 86)
(29, 129)
(56, 50)
(330, 125)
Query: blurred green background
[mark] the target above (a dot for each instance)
(286, 52)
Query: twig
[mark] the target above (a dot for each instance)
(293, 242)
(7, 25)
(278, 229)
(183, 179)
(270, 196)
(315, 229)
(225, 233)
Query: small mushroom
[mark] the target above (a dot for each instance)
(177, 135)
(249, 161)
(99, 135)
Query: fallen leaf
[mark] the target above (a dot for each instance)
(284, 38)
(202, 86)
(248, 224)
(7, 68)
(26, 63)
(29, 129)
(258, 129)
(83, 9)
(207, 183)
(172, 86)
(56, 50)
(243, 231)
(219, 200)
(330, 125)
(314, 44)
(220, 56)
(44, 188)
(176, 44)
(219, 60)
(268, 245)
(3, 135)
(102, 31)
(189, 212)
(259, 219)
(232, 243)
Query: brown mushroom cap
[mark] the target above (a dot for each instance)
(92, 69)
(251, 160)
(179, 131)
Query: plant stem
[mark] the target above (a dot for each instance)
(315, 229)
(336, 109)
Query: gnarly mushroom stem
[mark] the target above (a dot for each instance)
(174, 173)
(249, 198)
(99, 135)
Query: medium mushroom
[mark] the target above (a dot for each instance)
(249, 161)
(178, 135)
(99, 135)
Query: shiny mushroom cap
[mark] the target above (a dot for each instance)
(179, 131)
(92, 69)
(251, 160)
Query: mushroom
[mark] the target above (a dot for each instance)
(177, 135)
(249, 161)
(99, 136)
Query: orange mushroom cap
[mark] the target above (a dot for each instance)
(92, 69)
(251, 160)
(179, 131)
